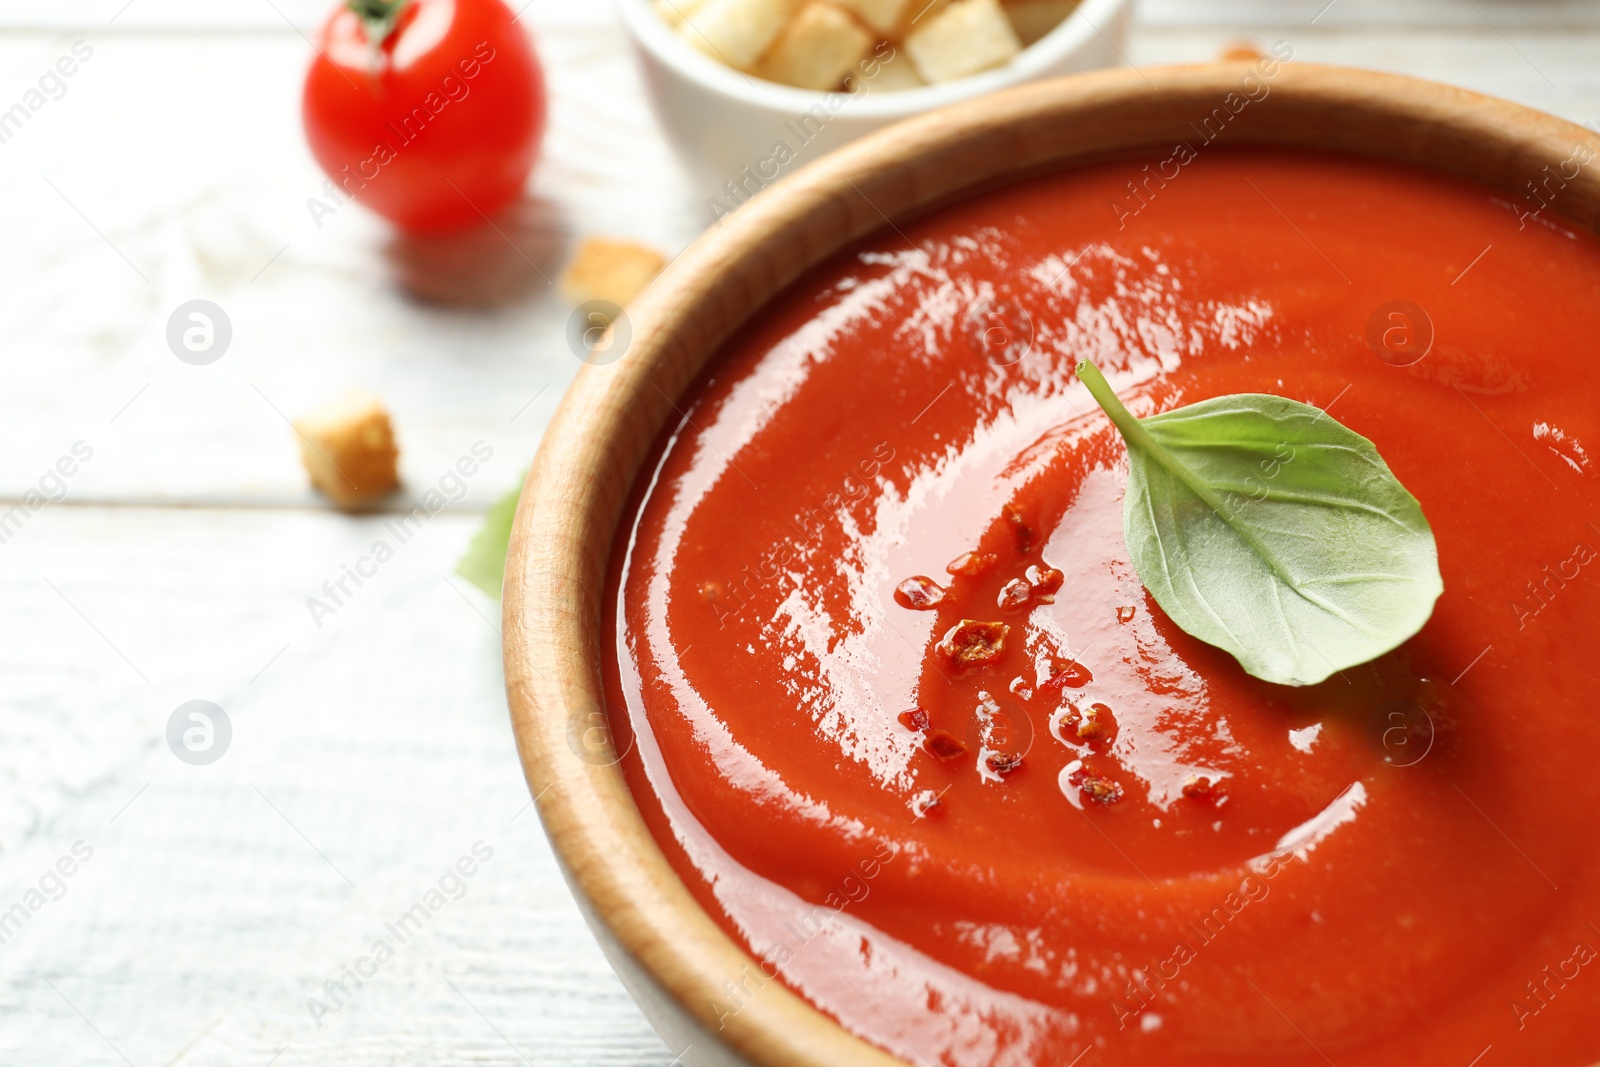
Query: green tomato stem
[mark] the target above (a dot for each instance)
(378, 16)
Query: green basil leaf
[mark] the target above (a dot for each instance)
(484, 564)
(1263, 526)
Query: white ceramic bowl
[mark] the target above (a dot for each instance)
(728, 126)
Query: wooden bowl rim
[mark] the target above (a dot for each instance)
(590, 454)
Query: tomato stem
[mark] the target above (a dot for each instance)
(378, 16)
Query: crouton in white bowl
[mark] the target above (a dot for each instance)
(749, 90)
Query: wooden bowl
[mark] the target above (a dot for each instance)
(670, 954)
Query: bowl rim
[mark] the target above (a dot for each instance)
(572, 502)
(1074, 32)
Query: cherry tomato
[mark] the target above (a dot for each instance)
(429, 112)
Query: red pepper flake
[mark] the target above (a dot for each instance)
(1045, 582)
(972, 644)
(1198, 787)
(1097, 724)
(1072, 675)
(915, 720)
(946, 746)
(1100, 788)
(1096, 787)
(1019, 529)
(971, 564)
(1014, 594)
(919, 593)
(1125, 614)
(1003, 763)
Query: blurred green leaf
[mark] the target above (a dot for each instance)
(484, 564)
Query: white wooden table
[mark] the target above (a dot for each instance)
(372, 752)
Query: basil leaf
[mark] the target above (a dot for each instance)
(484, 564)
(1263, 526)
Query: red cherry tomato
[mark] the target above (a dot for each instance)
(437, 124)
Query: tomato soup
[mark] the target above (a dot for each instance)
(1076, 835)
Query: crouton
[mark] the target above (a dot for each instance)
(737, 32)
(963, 38)
(676, 12)
(348, 449)
(915, 14)
(888, 75)
(818, 47)
(1240, 49)
(1032, 19)
(606, 269)
(882, 15)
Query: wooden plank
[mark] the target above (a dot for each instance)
(1367, 14)
(134, 193)
(216, 902)
(206, 917)
(186, 15)
(211, 201)
(279, 15)
(1550, 71)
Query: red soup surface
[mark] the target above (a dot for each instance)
(1103, 839)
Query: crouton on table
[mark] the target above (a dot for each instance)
(348, 449)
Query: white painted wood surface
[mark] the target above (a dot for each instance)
(372, 752)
